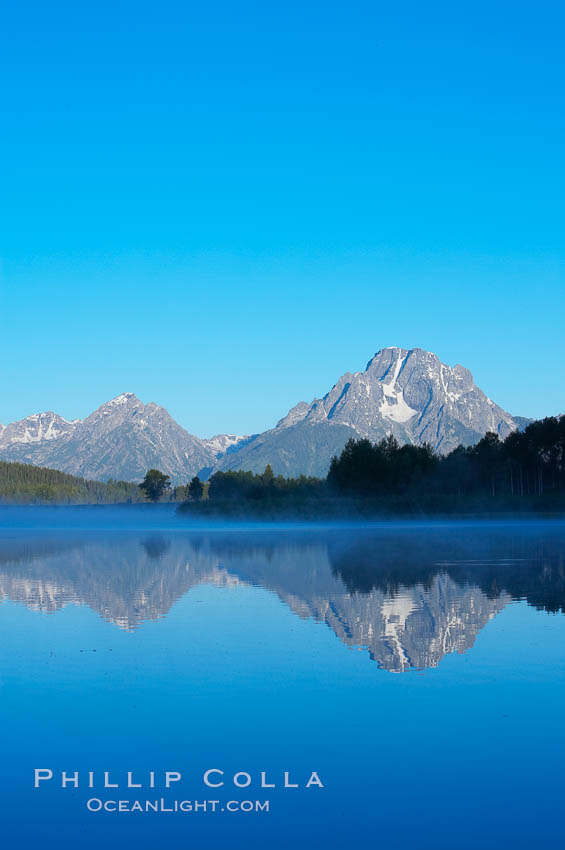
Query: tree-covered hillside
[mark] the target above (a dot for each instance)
(21, 483)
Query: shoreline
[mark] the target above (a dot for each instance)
(340, 510)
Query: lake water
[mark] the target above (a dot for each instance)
(417, 669)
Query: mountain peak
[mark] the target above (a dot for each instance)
(123, 398)
(122, 438)
(294, 415)
(407, 393)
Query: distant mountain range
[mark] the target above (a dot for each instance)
(408, 393)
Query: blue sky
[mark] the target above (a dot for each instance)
(223, 207)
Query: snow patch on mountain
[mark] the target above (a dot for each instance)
(393, 405)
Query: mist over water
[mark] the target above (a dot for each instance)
(131, 637)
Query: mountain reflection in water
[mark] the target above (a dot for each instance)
(409, 596)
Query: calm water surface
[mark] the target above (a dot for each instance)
(418, 668)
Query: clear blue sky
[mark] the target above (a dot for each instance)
(222, 208)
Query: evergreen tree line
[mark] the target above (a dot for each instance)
(22, 483)
(240, 484)
(528, 463)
